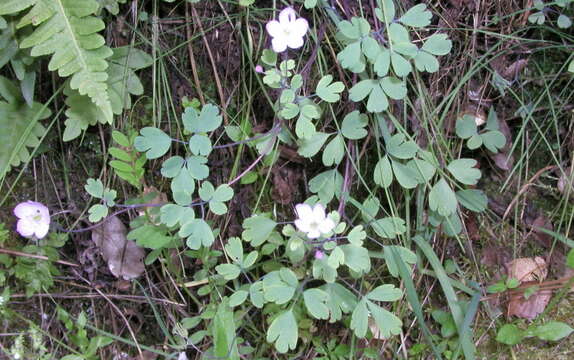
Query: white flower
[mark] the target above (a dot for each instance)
(313, 221)
(288, 31)
(34, 219)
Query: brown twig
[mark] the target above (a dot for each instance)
(191, 55)
(33, 256)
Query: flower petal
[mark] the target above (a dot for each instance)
(313, 234)
(326, 225)
(287, 15)
(299, 27)
(25, 227)
(41, 229)
(294, 42)
(279, 44)
(274, 28)
(25, 209)
(303, 225)
(304, 211)
(319, 213)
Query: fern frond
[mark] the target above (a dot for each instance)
(122, 81)
(20, 126)
(67, 30)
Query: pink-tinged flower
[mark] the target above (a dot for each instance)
(259, 69)
(319, 255)
(313, 220)
(288, 31)
(34, 219)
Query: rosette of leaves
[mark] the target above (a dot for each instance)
(388, 53)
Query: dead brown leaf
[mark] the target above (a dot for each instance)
(528, 270)
(124, 257)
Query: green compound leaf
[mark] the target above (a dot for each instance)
(354, 124)
(172, 214)
(284, 332)
(426, 62)
(197, 168)
(493, 140)
(351, 58)
(563, 21)
(472, 199)
(417, 16)
(437, 44)
(238, 298)
(393, 87)
(377, 100)
(442, 198)
(172, 167)
(150, 236)
(200, 145)
(153, 141)
(334, 151)
(474, 142)
(182, 188)
(97, 212)
(328, 90)
(401, 148)
(405, 175)
(401, 66)
(340, 300)
(466, 127)
(423, 169)
(316, 301)
(356, 258)
(68, 31)
(386, 13)
(537, 18)
(308, 147)
(326, 185)
(383, 63)
(389, 227)
(360, 319)
(208, 120)
(198, 234)
(362, 89)
(258, 228)
(95, 187)
(354, 29)
(387, 292)
(20, 126)
(387, 322)
(228, 271)
(279, 286)
(383, 173)
(357, 235)
(406, 255)
(464, 171)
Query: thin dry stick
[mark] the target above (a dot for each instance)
(191, 55)
(525, 187)
(134, 298)
(212, 60)
(33, 256)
